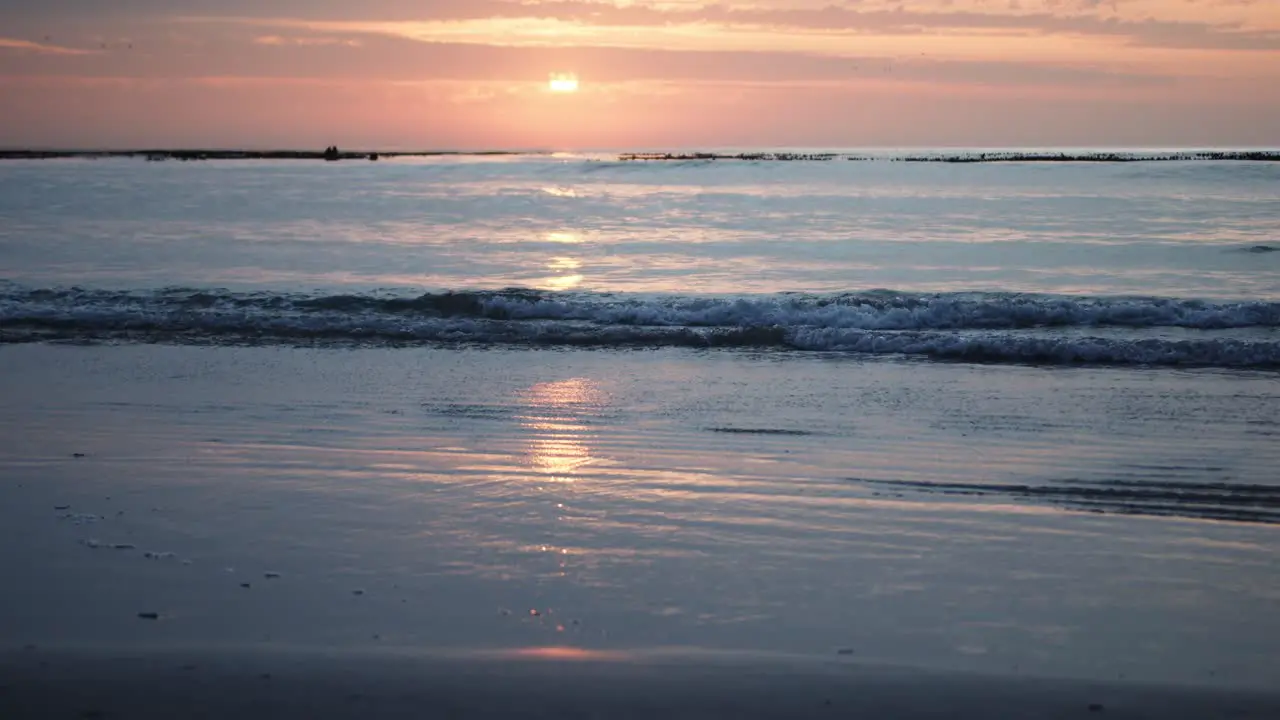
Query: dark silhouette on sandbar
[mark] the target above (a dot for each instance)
(332, 153)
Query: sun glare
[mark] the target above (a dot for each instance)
(564, 83)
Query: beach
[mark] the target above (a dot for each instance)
(547, 437)
(283, 684)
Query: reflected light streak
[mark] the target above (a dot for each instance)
(566, 192)
(563, 282)
(565, 653)
(567, 238)
(564, 263)
(559, 455)
(558, 448)
(580, 393)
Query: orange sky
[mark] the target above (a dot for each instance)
(676, 73)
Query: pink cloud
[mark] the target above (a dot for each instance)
(40, 48)
(473, 73)
(305, 41)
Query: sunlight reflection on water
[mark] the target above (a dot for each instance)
(569, 238)
(729, 228)
(558, 447)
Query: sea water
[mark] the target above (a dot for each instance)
(1012, 417)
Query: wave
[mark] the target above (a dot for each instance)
(873, 310)
(975, 327)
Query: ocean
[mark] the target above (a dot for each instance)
(1004, 417)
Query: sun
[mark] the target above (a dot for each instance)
(563, 83)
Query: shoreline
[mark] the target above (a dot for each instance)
(558, 682)
(941, 156)
(350, 501)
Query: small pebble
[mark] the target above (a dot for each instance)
(77, 455)
(845, 651)
(357, 592)
(245, 585)
(271, 575)
(61, 507)
(124, 546)
(265, 676)
(534, 613)
(149, 615)
(1095, 707)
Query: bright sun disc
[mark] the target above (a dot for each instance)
(564, 83)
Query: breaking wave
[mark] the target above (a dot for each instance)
(976, 327)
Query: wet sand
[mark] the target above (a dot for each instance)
(380, 501)
(556, 683)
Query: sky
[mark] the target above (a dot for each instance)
(652, 74)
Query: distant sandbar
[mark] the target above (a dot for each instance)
(971, 156)
(939, 156)
(187, 155)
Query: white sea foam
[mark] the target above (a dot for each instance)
(876, 310)
(981, 327)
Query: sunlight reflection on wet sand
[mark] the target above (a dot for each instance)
(564, 653)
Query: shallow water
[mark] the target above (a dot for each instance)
(1134, 263)
(1014, 418)
(603, 499)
